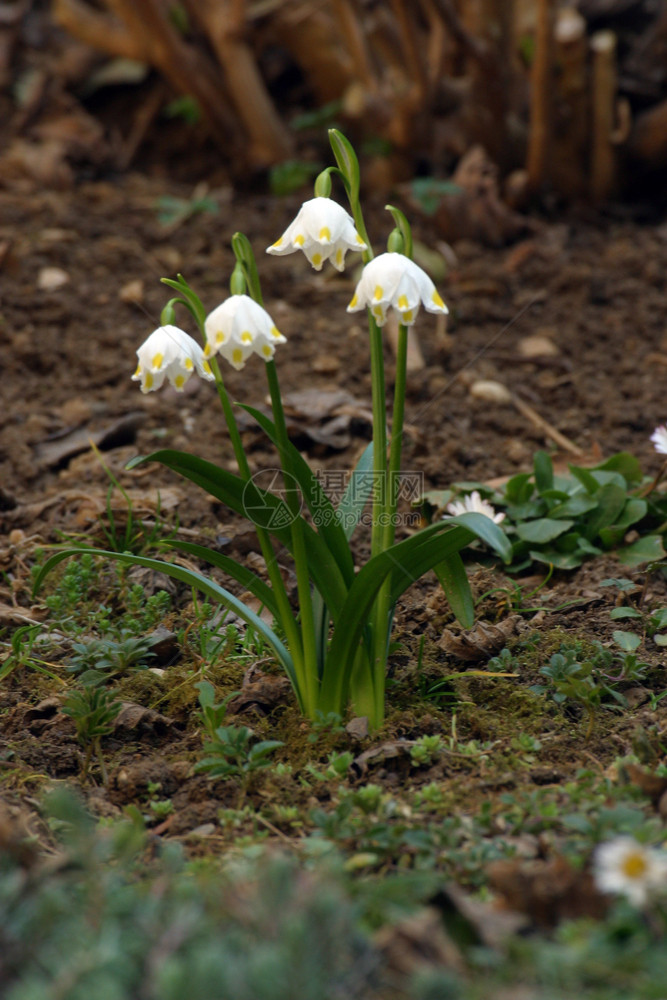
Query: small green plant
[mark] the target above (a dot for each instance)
(230, 750)
(110, 657)
(426, 749)
(93, 711)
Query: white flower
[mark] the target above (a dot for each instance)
(473, 502)
(324, 231)
(659, 439)
(392, 279)
(624, 866)
(170, 353)
(237, 328)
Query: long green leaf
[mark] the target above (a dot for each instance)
(454, 581)
(354, 499)
(232, 568)
(241, 496)
(192, 579)
(320, 506)
(403, 559)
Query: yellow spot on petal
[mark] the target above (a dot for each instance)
(407, 315)
(353, 302)
(149, 381)
(207, 368)
(138, 372)
(299, 240)
(277, 243)
(157, 360)
(377, 311)
(275, 332)
(219, 337)
(317, 259)
(378, 293)
(207, 350)
(359, 239)
(188, 364)
(237, 356)
(179, 381)
(266, 351)
(246, 337)
(325, 234)
(339, 257)
(403, 302)
(634, 865)
(435, 298)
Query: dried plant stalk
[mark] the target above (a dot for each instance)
(569, 162)
(541, 102)
(603, 151)
(648, 139)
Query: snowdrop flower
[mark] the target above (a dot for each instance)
(626, 867)
(473, 502)
(324, 231)
(392, 279)
(659, 439)
(237, 328)
(170, 353)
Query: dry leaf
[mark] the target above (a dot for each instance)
(481, 642)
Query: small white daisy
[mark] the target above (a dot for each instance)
(473, 502)
(630, 869)
(659, 439)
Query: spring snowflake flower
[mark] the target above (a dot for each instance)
(659, 439)
(238, 328)
(392, 279)
(324, 231)
(626, 867)
(473, 502)
(170, 353)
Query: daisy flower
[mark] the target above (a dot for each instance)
(474, 503)
(630, 869)
(659, 439)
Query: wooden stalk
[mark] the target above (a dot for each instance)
(603, 152)
(571, 128)
(541, 99)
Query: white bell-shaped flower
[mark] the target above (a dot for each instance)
(238, 328)
(170, 353)
(392, 279)
(324, 231)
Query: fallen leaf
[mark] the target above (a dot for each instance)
(481, 642)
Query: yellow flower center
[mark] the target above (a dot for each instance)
(634, 865)
(157, 360)
(378, 293)
(237, 355)
(246, 337)
(435, 298)
(299, 240)
(325, 234)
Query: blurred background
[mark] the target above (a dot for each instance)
(477, 109)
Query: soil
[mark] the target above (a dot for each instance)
(593, 286)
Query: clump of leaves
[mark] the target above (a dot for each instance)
(230, 750)
(94, 712)
(562, 520)
(111, 656)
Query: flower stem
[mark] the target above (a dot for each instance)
(308, 674)
(396, 440)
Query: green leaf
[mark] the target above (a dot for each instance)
(624, 612)
(559, 560)
(542, 530)
(576, 505)
(586, 478)
(544, 471)
(611, 501)
(486, 530)
(249, 580)
(519, 489)
(625, 464)
(242, 496)
(347, 161)
(646, 549)
(628, 641)
(354, 499)
(192, 579)
(323, 512)
(454, 581)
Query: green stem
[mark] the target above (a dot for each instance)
(287, 619)
(308, 668)
(396, 441)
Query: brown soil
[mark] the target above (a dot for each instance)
(595, 288)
